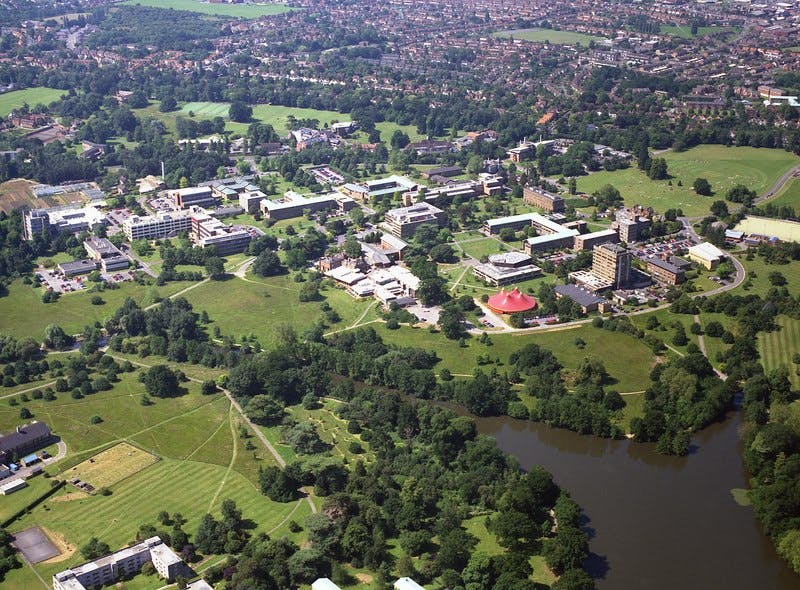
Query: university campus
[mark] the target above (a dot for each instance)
(399, 296)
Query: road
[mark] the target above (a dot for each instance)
(24, 472)
(779, 184)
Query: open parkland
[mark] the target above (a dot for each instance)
(188, 454)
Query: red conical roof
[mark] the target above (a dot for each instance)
(511, 302)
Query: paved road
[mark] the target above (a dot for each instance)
(24, 472)
(779, 184)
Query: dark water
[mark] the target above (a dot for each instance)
(657, 523)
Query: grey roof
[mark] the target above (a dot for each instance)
(22, 436)
(578, 295)
(669, 267)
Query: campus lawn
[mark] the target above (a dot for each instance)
(479, 247)
(758, 272)
(789, 195)
(32, 96)
(259, 307)
(549, 35)
(686, 32)
(232, 10)
(22, 313)
(387, 129)
(723, 167)
(627, 360)
(777, 348)
(10, 504)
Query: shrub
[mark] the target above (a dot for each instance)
(95, 419)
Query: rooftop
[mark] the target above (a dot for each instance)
(580, 296)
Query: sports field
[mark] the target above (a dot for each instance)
(537, 35)
(112, 465)
(234, 10)
(788, 231)
(723, 167)
(777, 348)
(32, 96)
(685, 32)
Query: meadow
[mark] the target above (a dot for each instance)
(22, 313)
(232, 10)
(537, 35)
(723, 167)
(777, 348)
(789, 195)
(629, 365)
(31, 96)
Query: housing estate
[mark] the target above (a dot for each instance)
(124, 563)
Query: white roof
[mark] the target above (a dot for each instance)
(12, 485)
(407, 584)
(706, 251)
(343, 274)
(324, 584)
(512, 219)
(404, 276)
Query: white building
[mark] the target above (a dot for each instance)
(407, 584)
(706, 254)
(324, 584)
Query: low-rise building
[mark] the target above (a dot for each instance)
(122, 564)
(25, 439)
(524, 151)
(506, 268)
(324, 584)
(250, 201)
(404, 221)
(587, 300)
(706, 254)
(295, 205)
(198, 196)
(444, 195)
(77, 268)
(407, 584)
(106, 254)
(665, 272)
(13, 486)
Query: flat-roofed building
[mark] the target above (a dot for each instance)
(506, 268)
(124, 563)
(250, 201)
(379, 188)
(589, 241)
(587, 300)
(25, 439)
(13, 486)
(77, 268)
(444, 195)
(538, 197)
(106, 254)
(524, 151)
(515, 222)
(161, 225)
(665, 272)
(403, 222)
(706, 254)
(590, 281)
(208, 231)
(613, 263)
(295, 205)
(199, 196)
(56, 220)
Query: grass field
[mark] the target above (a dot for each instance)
(758, 273)
(777, 348)
(686, 32)
(112, 465)
(22, 312)
(789, 195)
(233, 10)
(788, 231)
(32, 96)
(263, 306)
(722, 166)
(629, 366)
(550, 35)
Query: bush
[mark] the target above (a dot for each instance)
(25, 413)
(208, 387)
(355, 448)
(95, 419)
(37, 394)
(518, 410)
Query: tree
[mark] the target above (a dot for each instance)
(168, 103)
(658, 169)
(574, 579)
(719, 208)
(264, 410)
(94, 548)
(702, 187)
(352, 248)
(399, 140)
(215, 268)
(56, 338)
(161, 381)
(267, 264)
(240, 112)
(740, 194)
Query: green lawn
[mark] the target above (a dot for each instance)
(259, 307)
(233, 10)
(723, 167)
(777, 348)
(789, 195)
(758, 273)
(629, 365)
(32, 96)
(22, 312)
(685, 32)
(550, 35)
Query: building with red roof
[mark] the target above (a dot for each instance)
(511, 302)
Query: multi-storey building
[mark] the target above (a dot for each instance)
(200, 196)
(122, 564)
(106, 254)
(589, 241)
(60, 219)
(543, 199)
(208, 231)
(665, 272)
(403, 222)
(612, 262)
(161, 225)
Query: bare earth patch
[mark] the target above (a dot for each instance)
(364, 578)
(67, 549)
(68, 497)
